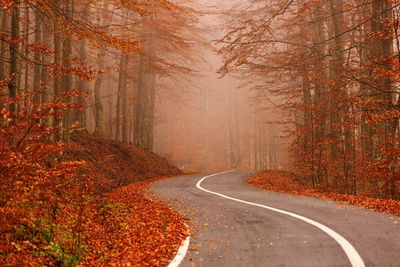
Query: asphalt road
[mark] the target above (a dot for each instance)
(226, 232)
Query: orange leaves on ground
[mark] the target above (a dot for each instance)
(273, 181)
(133, 229)
(53, 211)
(281, 182)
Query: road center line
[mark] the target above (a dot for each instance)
(350, 251)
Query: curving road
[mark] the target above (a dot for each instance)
(238, 225)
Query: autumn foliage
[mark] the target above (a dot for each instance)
(36, 189)
(128, 228)
(54, 203)
(62, 200)
(286, 183)
(331, 69)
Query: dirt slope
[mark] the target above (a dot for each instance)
(118, 164)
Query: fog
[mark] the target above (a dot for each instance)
(311, 87)
(215, 123)
(154, 75)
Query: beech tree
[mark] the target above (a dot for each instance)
(55, 57)
(333, 67)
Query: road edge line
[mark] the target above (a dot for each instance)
(352, 254)
(181, 253)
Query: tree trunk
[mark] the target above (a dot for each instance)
(106, 19)
(122, 94)
(67, 78)
(46, 60)
(5, 22)
(121, 99)
(308, 131)
(26, 54)
(140, 103)
(125, 102)
(365, 89)
(80, 115)
(337, 91)
(97, 101)
(233, 131)
(381, 49)
(320, 100)
(37, 58)
(149, 115)
(57, 123)
(12, 86)
(145, 104)
(20, 50)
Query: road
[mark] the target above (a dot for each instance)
(227, 232)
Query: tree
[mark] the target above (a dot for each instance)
(14, 47)
(338, 90)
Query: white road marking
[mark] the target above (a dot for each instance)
(350, 251)
(180, 255)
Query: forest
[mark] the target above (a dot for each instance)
(331, 68)
(310, 87)
(60, 63)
